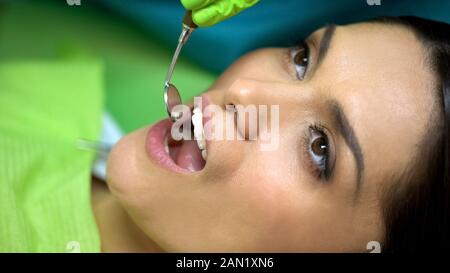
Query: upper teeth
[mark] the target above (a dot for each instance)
(197, 120)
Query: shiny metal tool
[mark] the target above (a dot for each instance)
(171, 94)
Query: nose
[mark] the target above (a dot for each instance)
(250, 97)
(250, 92)
(246, 91)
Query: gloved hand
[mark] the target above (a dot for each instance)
(210, 12)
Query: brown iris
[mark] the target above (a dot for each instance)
(320, 146)
(301, 57)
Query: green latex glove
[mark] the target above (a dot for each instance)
(210, 12)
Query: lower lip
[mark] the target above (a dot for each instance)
(155, 146)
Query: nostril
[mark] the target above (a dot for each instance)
(230, 107)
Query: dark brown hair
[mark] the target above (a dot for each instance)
(416, 209)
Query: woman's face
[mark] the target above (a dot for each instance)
(352, 113)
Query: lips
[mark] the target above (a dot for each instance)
(178, 156)
(155, 146)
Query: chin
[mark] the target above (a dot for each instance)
(123, 163)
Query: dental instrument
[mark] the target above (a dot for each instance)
(172, 96)
(100, 148)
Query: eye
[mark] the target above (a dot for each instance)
(300, 58)
(318, 149)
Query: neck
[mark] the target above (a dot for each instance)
(118, 232)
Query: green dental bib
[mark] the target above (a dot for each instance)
(44, 179)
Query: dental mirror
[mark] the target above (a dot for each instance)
(172, 98)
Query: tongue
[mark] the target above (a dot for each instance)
(189, 156)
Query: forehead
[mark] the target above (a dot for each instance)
(380, 76)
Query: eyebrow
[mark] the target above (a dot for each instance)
(343, 125)
(325, 43)
(347, 132)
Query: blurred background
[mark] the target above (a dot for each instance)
(124, 47)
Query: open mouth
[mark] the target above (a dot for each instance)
(189, 154)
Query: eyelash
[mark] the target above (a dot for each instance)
(302, 47)
(320, 170)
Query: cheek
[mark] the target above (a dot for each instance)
(267, 201)
(286, 209)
